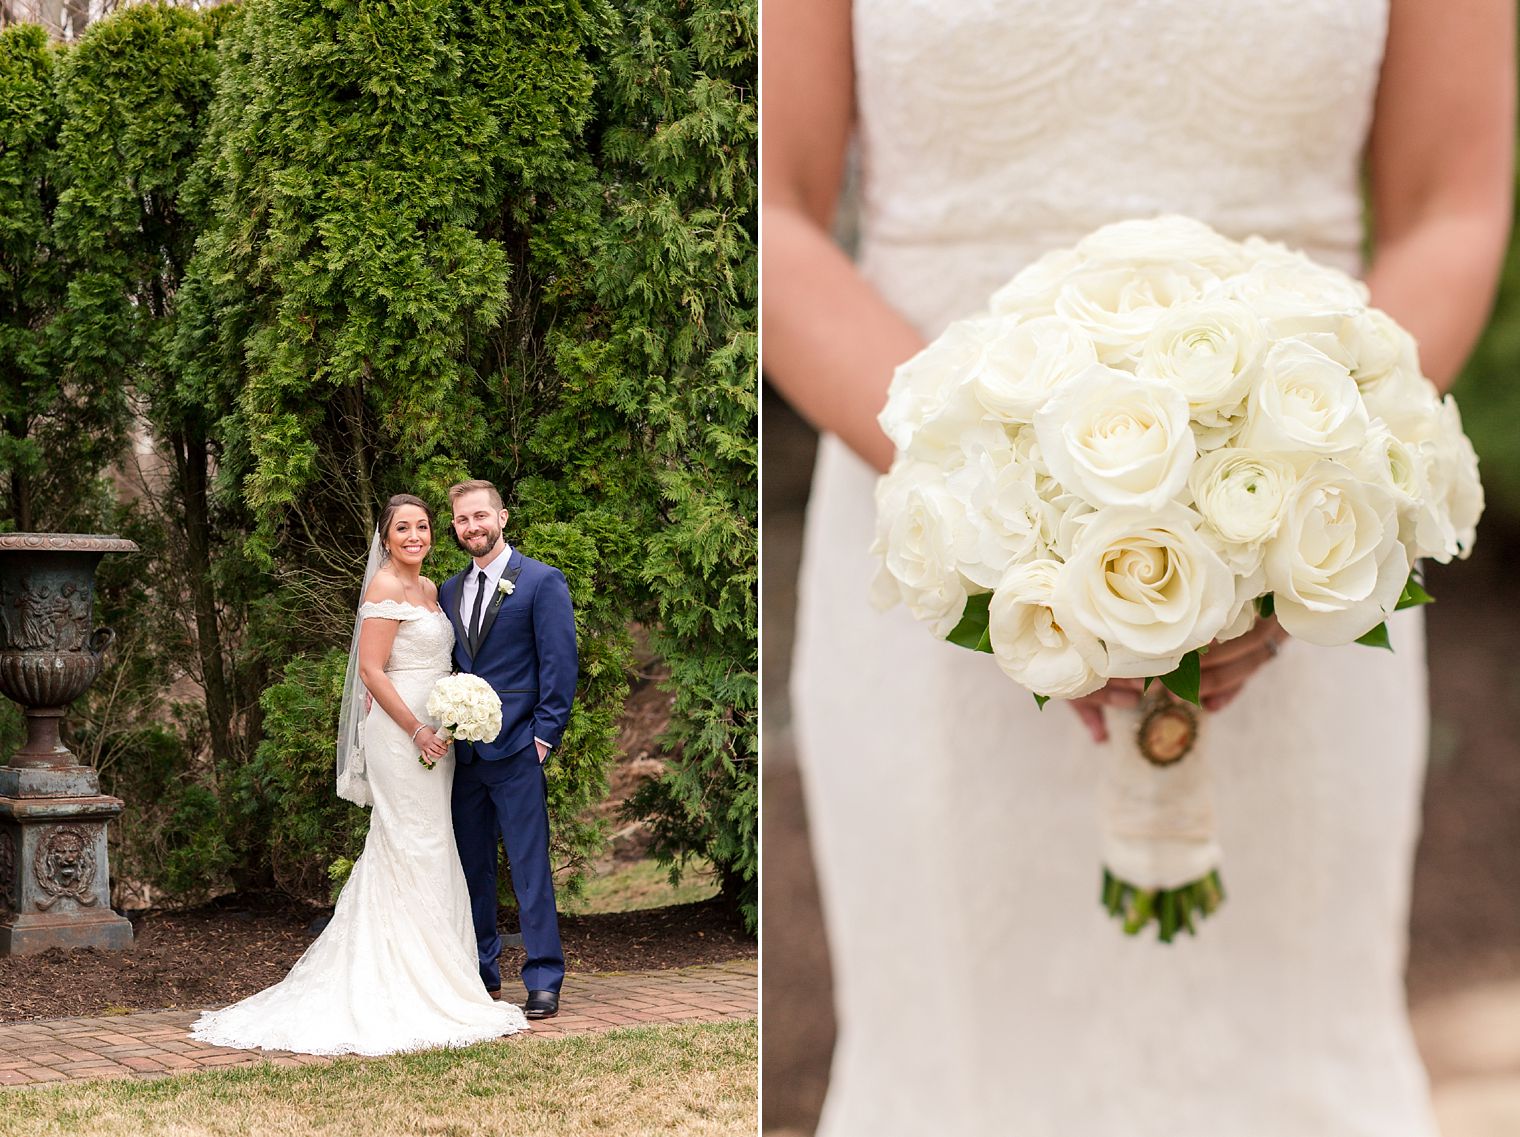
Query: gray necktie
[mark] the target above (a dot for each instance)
(480, 596)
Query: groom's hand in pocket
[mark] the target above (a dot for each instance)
(543, 751)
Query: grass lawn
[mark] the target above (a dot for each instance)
(643, 884)
(690, 1079)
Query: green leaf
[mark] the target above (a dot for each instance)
(1187, 679)
(1414, 594)
(971, 632)
(1265, 605)
(1378, 637)
(1041, 700)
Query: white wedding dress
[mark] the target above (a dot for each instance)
(395, 969)
(981, 989)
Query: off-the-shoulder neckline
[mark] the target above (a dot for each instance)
(438, 611)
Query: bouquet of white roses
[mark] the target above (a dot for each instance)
(467, 707)
(1148, 441)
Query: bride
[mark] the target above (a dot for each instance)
(395, 969)
(980, 987)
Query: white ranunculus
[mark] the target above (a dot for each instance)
(1005, 518)
(931, 389)
(1241, 494)
(1403, 470)
(1209, 350)
(1146, 583)
(1024, 363)
(1047, 652)
(1116, 439)
(1336, 566)
(1118, 305)
(1304, 402)
(917, 524)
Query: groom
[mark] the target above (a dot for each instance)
(513, 627)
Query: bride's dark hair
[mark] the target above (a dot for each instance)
(388, 514)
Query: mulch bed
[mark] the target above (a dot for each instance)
(227, 950)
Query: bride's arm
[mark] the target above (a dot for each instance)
(376, 638)
(1441, 160)
(831, 341)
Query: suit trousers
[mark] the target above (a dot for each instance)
(509, 796)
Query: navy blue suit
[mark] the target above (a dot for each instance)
(526, 651)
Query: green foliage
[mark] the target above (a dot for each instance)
(32, 402)
(321, 253)
(287, 790)
(676, 290)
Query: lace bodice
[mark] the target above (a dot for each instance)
(425, 640)
(1006, 129)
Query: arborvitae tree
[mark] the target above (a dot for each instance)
(503, 238)
(134, 95)
(376, 168)
(52, 437)
(676, 285)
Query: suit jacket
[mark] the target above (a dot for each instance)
(526, 652)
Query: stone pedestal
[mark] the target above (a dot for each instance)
(53, 862)
(55, 882)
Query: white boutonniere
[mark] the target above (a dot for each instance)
(506, 587)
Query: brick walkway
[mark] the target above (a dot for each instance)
(154, 1043)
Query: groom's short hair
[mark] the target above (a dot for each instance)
(459, 489)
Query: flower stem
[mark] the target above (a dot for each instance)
(1171, 909)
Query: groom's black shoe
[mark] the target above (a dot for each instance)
(541, 1004)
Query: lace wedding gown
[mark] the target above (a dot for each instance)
(395, 969)
(981, 989)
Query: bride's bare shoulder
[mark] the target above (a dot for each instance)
(385, 586)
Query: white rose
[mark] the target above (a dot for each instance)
(1024, 363)
(1408, 402)
(1304, 401)
(1046, 652)
(930, 391)
(1163, 240)
(1383, 348)
(1454, 481)
(1033, 291)
(1146, 583)
(917, 524)
(1281, 283)
(1336, 566)
(1116, 439)
(1005, 518)
(1241, 494)
(1118, 305)
(1209, 350)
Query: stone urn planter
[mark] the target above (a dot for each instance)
(53, 868)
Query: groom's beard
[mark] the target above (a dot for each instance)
(480, 545)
